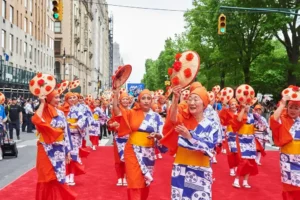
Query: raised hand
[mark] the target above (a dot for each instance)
(183, 131)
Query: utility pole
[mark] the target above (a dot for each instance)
(64, 57)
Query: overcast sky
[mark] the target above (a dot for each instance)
(142, 33)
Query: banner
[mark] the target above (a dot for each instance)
(134, 89)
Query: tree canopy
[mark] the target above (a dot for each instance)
(260, 49)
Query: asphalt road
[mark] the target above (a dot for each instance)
(12, 168)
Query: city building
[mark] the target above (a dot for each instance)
(26, 43)
(117, 59)
(81, 45)
(100, 48)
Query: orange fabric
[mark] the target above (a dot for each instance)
(68, 95)
(182, 106)
(145, 91)
(53, 190)
(280, 131)
(123, 95)
(202, 93)
(134, 175)
(282, 138)
(43, 166)
(138, 194)
(130, 122)
(48, 133)
(155, 106)
(260, 148)
(195, 85)
(170, 139)
(226, 116)
(119, 165)
(50, 96)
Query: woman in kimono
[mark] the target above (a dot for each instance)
(243, 125)
(94, 130)
(261, 132)
(194, 137)
(78, 122)
(119, 142)
(143, 126)
(285, 126)
(226, 117)
(53, 152)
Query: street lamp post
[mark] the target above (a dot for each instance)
(64, 57)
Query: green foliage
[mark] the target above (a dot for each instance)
(250, 52)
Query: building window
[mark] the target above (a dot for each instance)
(30, 51)
(25, 24)
(20, 47)
(17, 18)
(3, 37)
(4, 9)
(25, 3)
(57, 47)
(11, 14)
(30, 6)
(11, 42)
(25, 50)
(30, 28)
(17, 45)
(57, 27)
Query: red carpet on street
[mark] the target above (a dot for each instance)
(99, 182)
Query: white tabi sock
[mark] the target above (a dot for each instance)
(67, 179)
(72, 178)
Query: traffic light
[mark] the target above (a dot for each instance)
(57, 9)
(222, 24)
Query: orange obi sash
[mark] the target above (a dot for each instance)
(229, 128)
(96, 117)
(186, 156)
(247, 129)
(291, 148)
(72, 121)
(59, 139)
(140, 139)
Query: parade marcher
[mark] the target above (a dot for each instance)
(243, 125)
(143, 126)
(285, 126)
(94, 130)
(261, 132)
(54, 143)
(226, 117)
(195, 144)
(77, 120)
(3, 120)
(157, 108)
(119, 141)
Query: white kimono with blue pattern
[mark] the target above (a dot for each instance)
(145, 155)
(290, 163)
(94, 128)
(211, 114)
(247, 142)
(195, 182)
(80, 113)
(57, 151)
